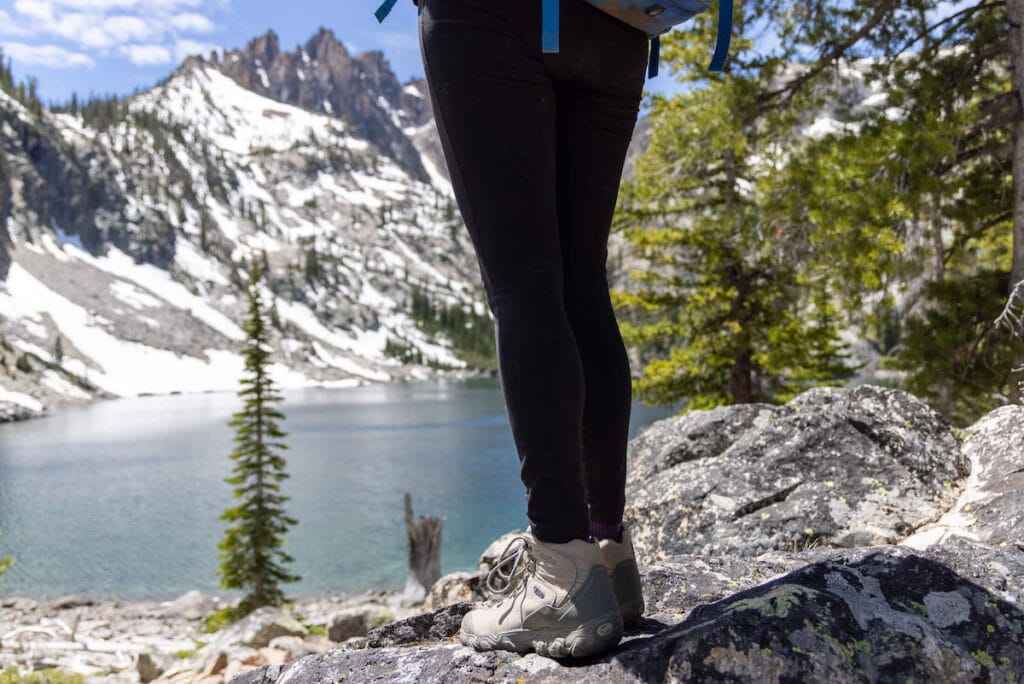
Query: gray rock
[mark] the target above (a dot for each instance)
(148, 667)
(493, 552)
(441, 624)
(456, 587)
(887, 613)
(996, 443)
(73, 601)
(259, 628)
(294, 646)
(348, 623)
(11, 412)
(839, 467)
(676, 585)
(192, 605)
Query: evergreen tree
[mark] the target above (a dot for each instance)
(734, 307)
(881, 226)
(58, 350)
(915, 204)
(251, 551)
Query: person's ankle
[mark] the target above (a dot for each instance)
(611, 531)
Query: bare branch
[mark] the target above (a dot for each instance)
(965, 13)
(829, 57)
(1012, 317)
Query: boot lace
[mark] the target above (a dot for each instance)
(514, 562)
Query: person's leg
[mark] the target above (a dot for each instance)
(597, 111)
(496, 112)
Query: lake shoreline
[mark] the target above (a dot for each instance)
(107, 639)
(12, 412)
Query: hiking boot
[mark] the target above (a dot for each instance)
(620, 561)
(559, 601)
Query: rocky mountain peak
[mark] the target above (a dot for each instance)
(325, 46)
(264, 49)
(324, 77)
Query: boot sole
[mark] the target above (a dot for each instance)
(590, 638)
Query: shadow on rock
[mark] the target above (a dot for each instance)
(881, 614)
(885, 617)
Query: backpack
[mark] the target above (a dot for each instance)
(653, 18)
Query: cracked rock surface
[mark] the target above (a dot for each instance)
(738, 590)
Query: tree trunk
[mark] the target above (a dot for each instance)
(1015, 14)
(424, 538)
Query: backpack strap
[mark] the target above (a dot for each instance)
(724, 35)
(549, 33)
(652, 61)
(549, 26)
(384, 10)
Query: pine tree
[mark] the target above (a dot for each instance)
(881, 227)
(251, 550)
(734, 306)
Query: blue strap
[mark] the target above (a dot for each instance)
(549, 26)
(652, 62)
(384, 10)
(724, 35)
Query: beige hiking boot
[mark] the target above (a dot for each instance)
(560, 601)
(620, 561)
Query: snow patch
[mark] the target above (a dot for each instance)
(23, 400)
(159, 282)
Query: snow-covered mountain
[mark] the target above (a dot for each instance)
(125, 234)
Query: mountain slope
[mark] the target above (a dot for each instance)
(127, 234)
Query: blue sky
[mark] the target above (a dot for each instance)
(114, 46)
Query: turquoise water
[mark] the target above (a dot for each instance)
(122, 498)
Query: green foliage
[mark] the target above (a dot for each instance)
(734, 306)
(762, 245)
(317, 630)
(971, 373)
(25, 92)
(23, 364)
(472, 335)
(251, 551)
(5, 563)
(12, 676)
(218, 618)
(312, 268)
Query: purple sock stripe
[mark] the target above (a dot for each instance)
(606, 531)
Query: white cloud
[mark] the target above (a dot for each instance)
(147, 32)
(34, 9)
(184, 48)
(146, 55)
(10, 27)
(51, 56)
(126, 27)
(190, 21)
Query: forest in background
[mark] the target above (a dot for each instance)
(771, 252)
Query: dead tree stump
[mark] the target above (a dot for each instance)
(424, 543)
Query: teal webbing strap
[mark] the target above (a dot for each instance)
(384, 10)
(549, 26)
(724, 35)
(652, 62)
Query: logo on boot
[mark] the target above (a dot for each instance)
(538, 592)
(605, 629)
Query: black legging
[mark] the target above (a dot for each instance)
(535, 145)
